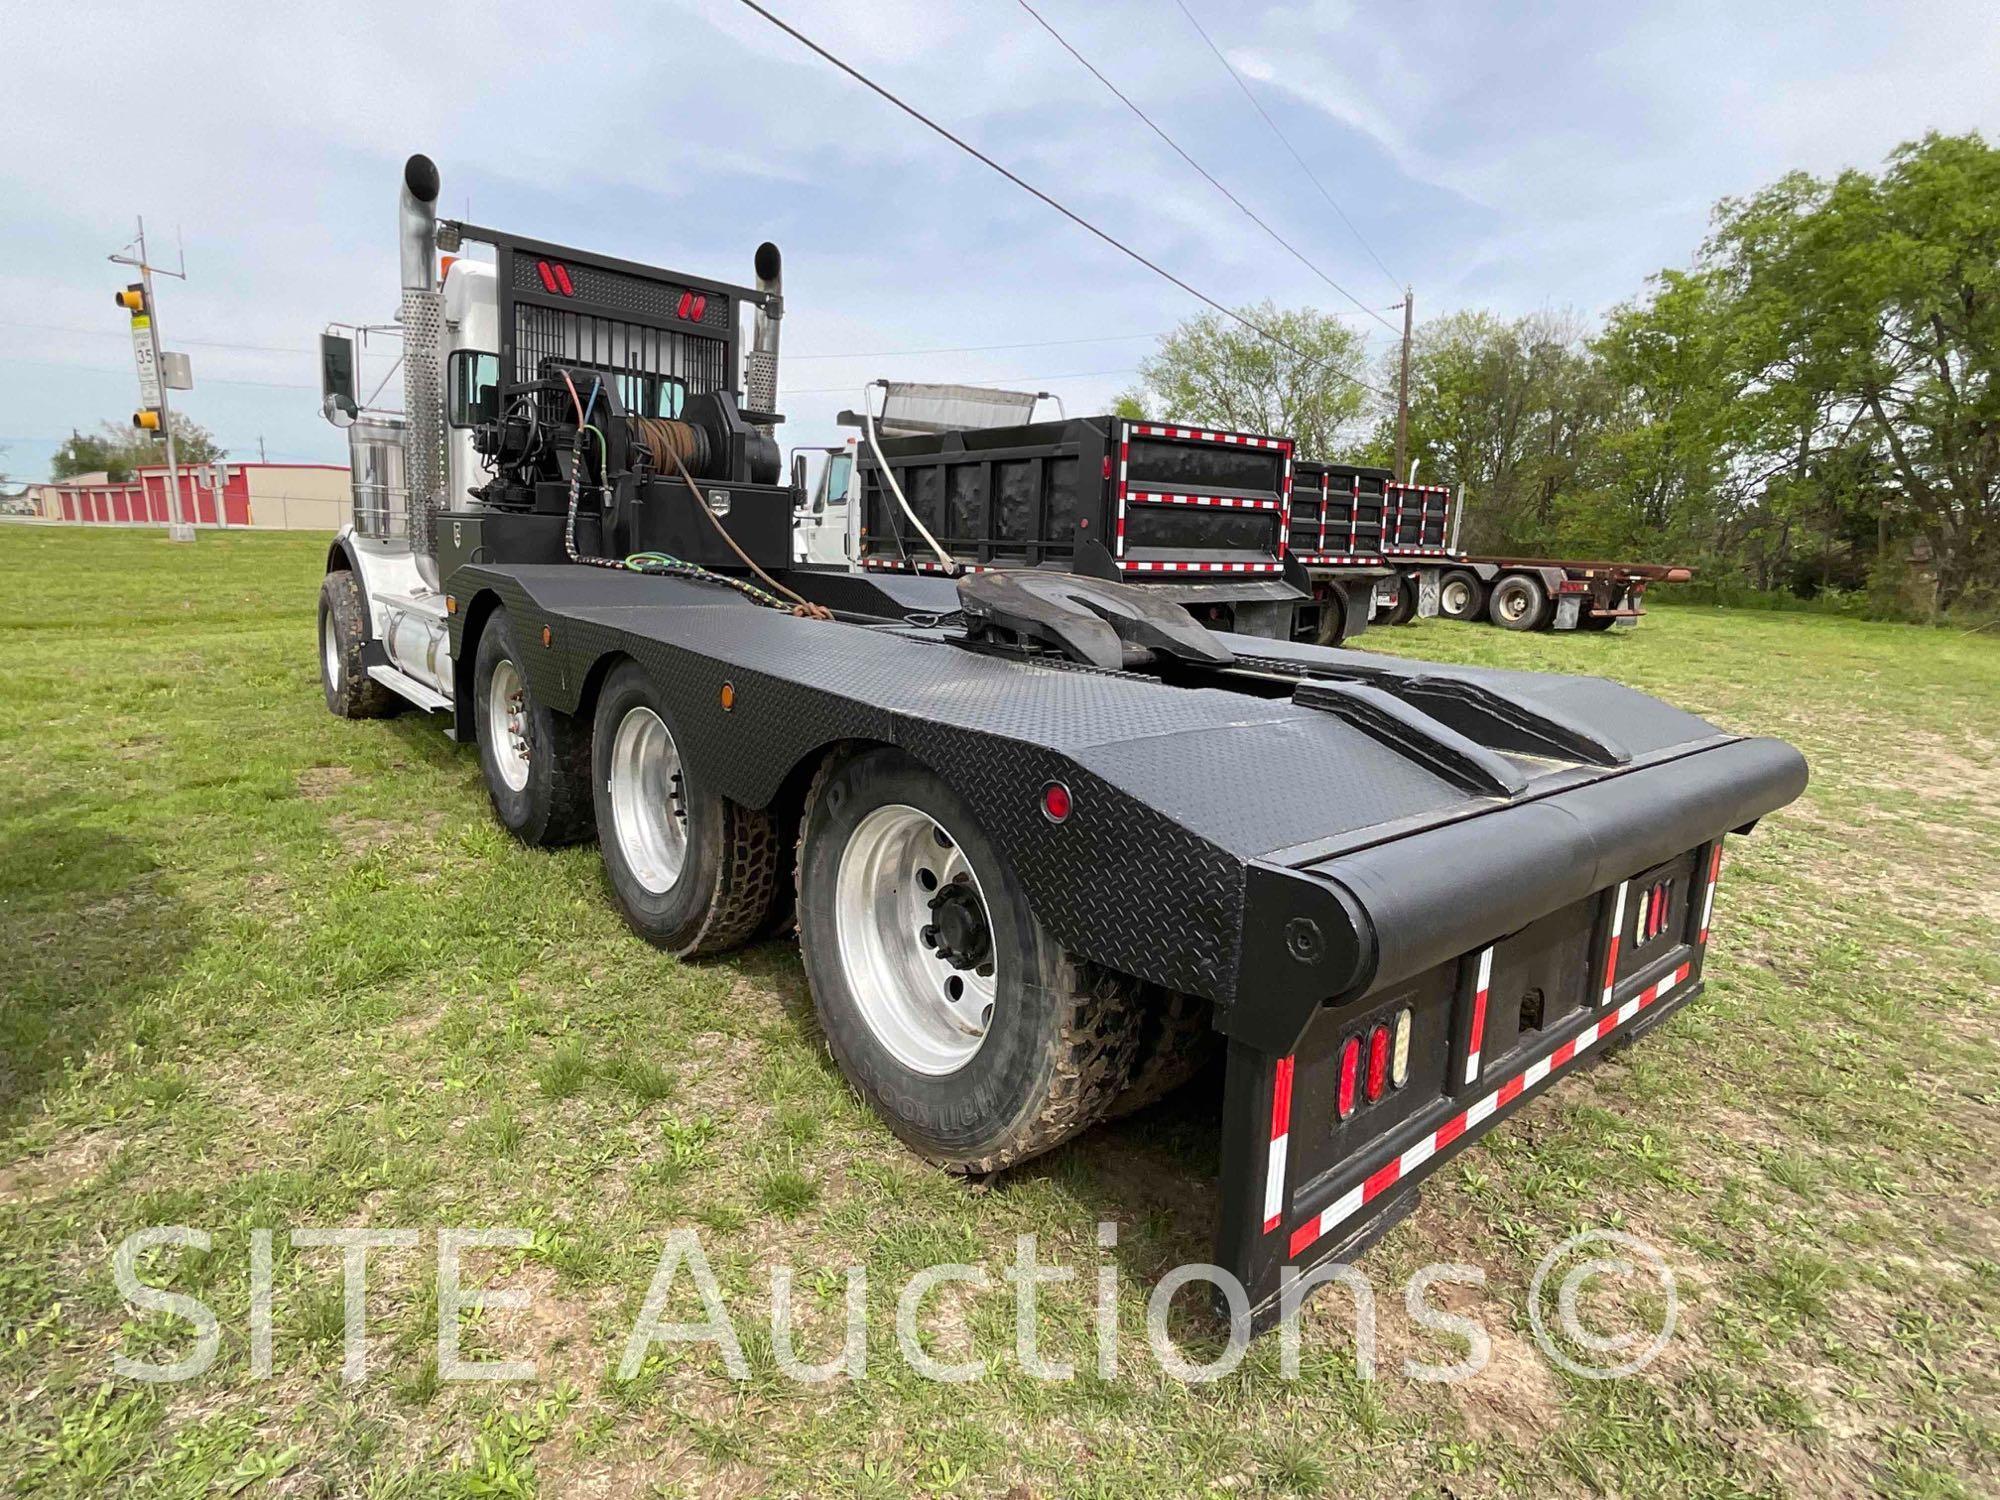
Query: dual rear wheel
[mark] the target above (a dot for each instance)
(944, 1000)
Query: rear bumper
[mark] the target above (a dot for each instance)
(1315, 1168)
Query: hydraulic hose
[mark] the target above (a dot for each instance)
(889, 475)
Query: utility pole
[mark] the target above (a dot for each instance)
(260, 449)
(178, 530)
(1403, 390)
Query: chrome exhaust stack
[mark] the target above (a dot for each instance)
(422, 317)
(760, 378)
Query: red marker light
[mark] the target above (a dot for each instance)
(1055, 802)
(1378, 1062)
(698, 308)
(562, 279)
(548, 277)
(681, 307)
(1350, 1075)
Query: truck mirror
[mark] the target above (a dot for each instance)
(799, 477)
(336, 379)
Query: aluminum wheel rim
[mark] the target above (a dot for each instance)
(929, 1014)
(507, 724)
(1456, 597)
(1514, 603)
(648, 800)
(329, 650)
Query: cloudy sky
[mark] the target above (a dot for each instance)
(1489, 157)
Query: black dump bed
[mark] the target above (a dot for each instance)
(1144, 501)
(1416, 520)
(1337, 512)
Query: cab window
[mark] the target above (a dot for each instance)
(470, 375)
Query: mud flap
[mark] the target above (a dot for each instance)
(1569, 609)
(1427, 594)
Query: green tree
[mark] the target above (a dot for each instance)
(1214, 371)
(1866, 309)
(1506, 408)
(118, 451)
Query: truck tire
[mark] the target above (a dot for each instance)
(343, 630)
(693, 872)
(1404, 609)
(1518, 602)
(947, 1004)
(1461, 596)
(1332, 614)
(1176, 1039)
(536, 761)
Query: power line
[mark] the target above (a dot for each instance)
(1147, 120)
(829, 390)
(1109, 338)
(1310, 177)
(1029, 188)
(71, 364)
(108, 333)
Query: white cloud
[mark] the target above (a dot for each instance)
(1492, 156)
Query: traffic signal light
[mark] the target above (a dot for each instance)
(147, 420)
(133, 299)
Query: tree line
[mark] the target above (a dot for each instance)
(1810, 407)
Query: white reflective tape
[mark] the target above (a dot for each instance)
(1274, 1178)
(1486, 969)
(1535, 1074)
(1472, 1068)
(1708, 905)
(1628, 1010)
(1420, 1153)
(1481, 1110)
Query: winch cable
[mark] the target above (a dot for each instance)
(670, 443)
(657, 563)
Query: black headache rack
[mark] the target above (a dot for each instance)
(630, 344)
(1494, 873)
(1201, 513)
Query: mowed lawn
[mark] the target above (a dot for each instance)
(262, 968)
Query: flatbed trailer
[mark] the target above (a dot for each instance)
(1410, 531)
(1047, 842)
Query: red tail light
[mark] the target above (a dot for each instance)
(548, 276)
(1350, 1076)
(1378, 1062)
(681, 307)
(698, 309)
(562, 279)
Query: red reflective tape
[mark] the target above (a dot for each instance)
(1509, 1092)
(1562, 1055)
(1381, 1181)
(1478, 1020)
(1450, 1131)
(1304, 1235)
(1281, 1099)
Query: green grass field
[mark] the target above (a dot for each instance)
(262, 968)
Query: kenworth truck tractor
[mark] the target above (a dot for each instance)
(1048, 844)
